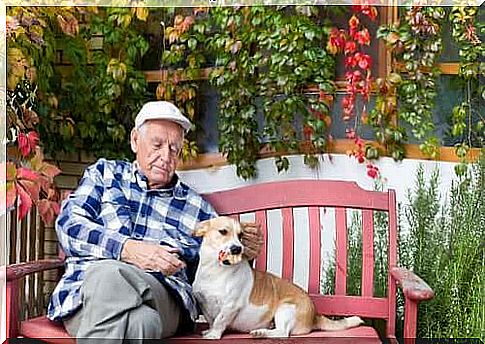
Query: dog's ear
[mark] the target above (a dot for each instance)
(201, 228)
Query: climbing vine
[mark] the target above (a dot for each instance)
(469, 131)
(416, 43)
(264, 61)
(352, 42)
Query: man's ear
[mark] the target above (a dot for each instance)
(201, 228)
(134, 137)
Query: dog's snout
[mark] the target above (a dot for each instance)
(235, 249)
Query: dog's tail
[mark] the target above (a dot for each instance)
(323, 323)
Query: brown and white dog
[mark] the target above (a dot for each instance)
(234, 296)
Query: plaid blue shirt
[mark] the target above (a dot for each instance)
(113, 204)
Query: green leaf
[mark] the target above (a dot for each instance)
(192, 43)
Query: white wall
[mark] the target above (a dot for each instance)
(398, 175)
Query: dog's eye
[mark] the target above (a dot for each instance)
(223, 231)
(240, 235)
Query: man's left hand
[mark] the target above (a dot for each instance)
(252, 239)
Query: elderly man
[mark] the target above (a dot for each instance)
(126, 232)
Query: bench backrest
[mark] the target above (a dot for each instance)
(314, 195)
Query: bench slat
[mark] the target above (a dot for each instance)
(315, 247)
(261, 260)
(367, 253)
(341, 252)
(370, 307)
(288, 238)
(276, 195)
(392, 259)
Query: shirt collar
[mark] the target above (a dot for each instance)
(175, 187)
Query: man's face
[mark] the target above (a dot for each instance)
(157, 144)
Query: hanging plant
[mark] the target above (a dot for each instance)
(416, 43)
(382, 118)
(266, 59)
(116, 85)
(186, 47)
(29, 179)
(471, 50)
(358, 63)
(90, 104)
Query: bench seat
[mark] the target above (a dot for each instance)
(54, 333)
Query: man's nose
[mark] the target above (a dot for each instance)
(235, 249)
(164, 153)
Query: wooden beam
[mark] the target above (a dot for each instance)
(339, 146)
(166, 74)
(450, 68)
(153, 76)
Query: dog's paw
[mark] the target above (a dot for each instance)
(354, 321)
(259, 333)
(211, 334)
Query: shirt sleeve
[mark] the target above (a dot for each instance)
(80, 226)
(206, 211)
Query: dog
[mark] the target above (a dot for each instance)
(234, 296)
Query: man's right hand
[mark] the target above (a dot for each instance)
(152, 257)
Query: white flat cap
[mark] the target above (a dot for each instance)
(161, 110)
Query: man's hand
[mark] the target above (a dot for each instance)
(252, 239)
(152, 257)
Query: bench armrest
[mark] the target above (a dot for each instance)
(414, 290)
(17, 271)
(13, 273)
(413, 287)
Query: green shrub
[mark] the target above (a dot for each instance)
(442, 242)
(445, 246)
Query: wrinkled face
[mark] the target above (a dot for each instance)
(157, 144)
(222, 239)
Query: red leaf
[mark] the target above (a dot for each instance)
(24, 203)
(23, 144)
(350, 62)
(27, 173)
(31, 188)
(27, 143)
(363, 37)
(350, 47)
(38, 164)
(49, 171)
(354, 22)
(33, 139)
(48, 210)
(44, 183)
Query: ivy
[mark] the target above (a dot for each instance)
(87, 100)
(266, 57)
(416, 43)
(186, 44)
(468, 131)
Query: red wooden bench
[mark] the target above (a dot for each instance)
(287, 195)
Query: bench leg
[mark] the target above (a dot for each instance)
(12, 309)
(410, 318)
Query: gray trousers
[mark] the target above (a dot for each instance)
(121, 301)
